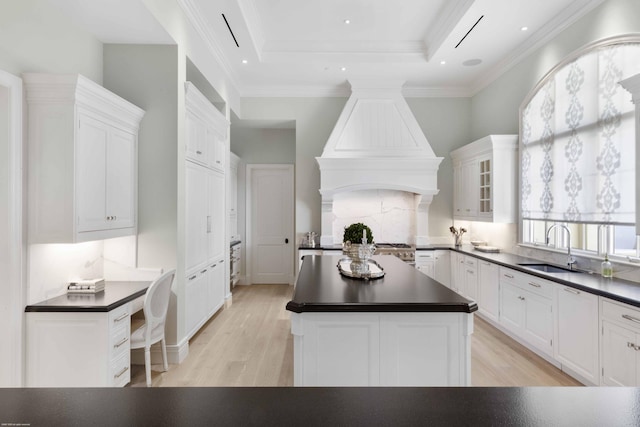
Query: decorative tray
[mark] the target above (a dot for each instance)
(375, 270)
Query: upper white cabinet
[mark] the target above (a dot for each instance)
(82, 149)
(207, 130)
(482, 170)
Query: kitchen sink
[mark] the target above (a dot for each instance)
(548, 268)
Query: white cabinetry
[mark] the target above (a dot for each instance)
(382, 349)
(526, 308)
(82, 149)
(443, 267)
(457, 272)
(232, 196)
(464, 275)
(483, 171)
(620, 344)
(489, 290)
(206, 213)
(426, 263)
(577, 332)
(99, 342)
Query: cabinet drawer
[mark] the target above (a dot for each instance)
(471, 262)
(119, 342)
(119, 317)
(425, 256)
(120, 371)
(529, 282)
(621, 313)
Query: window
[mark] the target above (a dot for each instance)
(577, 148)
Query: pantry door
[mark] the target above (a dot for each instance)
(270, 226)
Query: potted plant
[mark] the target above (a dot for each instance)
(357, 244)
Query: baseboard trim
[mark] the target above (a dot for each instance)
(176, 354)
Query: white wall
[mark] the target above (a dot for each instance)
(35, 36)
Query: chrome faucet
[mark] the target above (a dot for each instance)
(570, 259)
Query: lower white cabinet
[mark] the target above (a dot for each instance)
(489, 290)
(98, 342)
(464, 275)
(619, 344)
(526, 308)
(382, 349)
(442, 272)
(577, 332)
(426, 263)
(457, 272)
(204, 295)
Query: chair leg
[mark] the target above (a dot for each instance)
(147, 364)
(165, 362)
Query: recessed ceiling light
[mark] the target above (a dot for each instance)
(443, 62)
(472, 62)
(347, 21)
(343, 68)
(524, 28)
(244, 61)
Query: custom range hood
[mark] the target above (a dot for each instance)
(377, 144)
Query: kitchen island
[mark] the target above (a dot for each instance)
(404, 329)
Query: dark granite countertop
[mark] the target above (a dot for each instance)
(321, 288)
(616, 289)
(315, 406)
(114, 295)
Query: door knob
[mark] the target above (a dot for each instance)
(286, 241)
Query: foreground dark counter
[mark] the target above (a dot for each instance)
(321, 288)
(265, 406)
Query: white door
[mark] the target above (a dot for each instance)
(271, 223)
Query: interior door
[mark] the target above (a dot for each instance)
(271, 236)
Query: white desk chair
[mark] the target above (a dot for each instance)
(156, 303)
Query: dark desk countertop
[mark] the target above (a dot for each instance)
(321, 288)
(311, 406)
(114, 295)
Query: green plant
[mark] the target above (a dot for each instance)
(353, 233)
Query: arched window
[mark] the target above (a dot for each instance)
(577, 150)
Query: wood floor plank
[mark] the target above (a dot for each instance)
(250, 344)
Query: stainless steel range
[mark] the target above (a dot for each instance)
(406, 253)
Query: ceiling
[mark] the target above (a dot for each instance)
(306, 48)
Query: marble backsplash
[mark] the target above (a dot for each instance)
(390, 214)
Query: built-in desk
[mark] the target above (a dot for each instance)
(82, 340)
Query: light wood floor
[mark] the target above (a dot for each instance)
(250, 344)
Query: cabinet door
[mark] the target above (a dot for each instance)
(577, 328)
(427, 268)
(485, 196)
(458, 191)
(93, 136)
(489, 289)
(197, 219)
(196, 148)
(215, 284)
(457, 272)
(511, 307)
(443, 268)
(121, 179)
(196, 297)
(471, 282)
(619, 358)
(470, 188)
(216, 208)
(538, 321)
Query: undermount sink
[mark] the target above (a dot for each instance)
(548, 268)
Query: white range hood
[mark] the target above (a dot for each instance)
(377, 144)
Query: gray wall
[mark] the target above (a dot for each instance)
(147, 75)
(258, 145)
(36, 37)
(495, 109)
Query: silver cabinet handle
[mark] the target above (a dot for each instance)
(508, 275)
(521, 298)
(122, 341)
(633, 319)
(573, 291)
(471, 272)
(535, 285)
(122, 317)
(198, 152)
(203, 271)
(192, 277)
(119, 374)
(213, 265)
(633, 346)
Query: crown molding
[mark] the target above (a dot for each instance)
(545, 34)
(445, 24)
(254, 25)
(194, 16)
